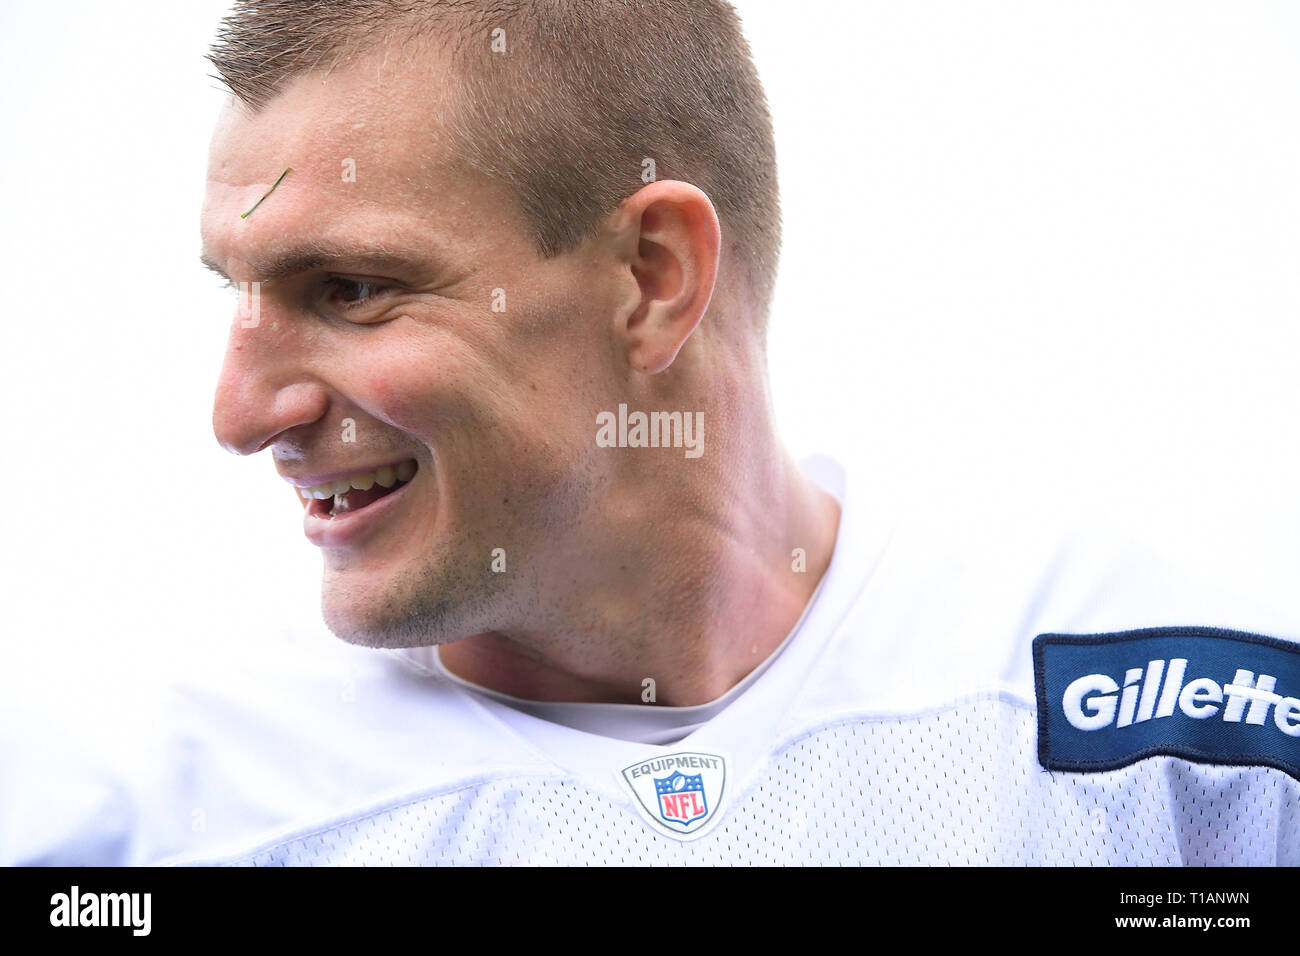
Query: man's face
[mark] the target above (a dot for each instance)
(465, 354)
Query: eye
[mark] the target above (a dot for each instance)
(351, 293)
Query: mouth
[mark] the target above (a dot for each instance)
(354, 493)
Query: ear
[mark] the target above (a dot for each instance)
(668, 233)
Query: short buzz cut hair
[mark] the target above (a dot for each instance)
(585, 92)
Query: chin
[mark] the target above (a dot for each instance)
(385, 615)
(354, 628)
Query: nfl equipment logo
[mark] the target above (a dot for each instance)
(680, 794)
(681, 797)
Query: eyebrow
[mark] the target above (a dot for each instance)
(299, 259)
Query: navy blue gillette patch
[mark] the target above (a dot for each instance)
(1200, 693)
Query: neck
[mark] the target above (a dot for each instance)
(691, 582)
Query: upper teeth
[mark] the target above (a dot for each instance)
(385, 477)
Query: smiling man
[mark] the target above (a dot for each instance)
(511, 267)
(432, 354)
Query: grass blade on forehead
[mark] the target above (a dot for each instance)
(287, 171)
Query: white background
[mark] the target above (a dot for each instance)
(1040, 257)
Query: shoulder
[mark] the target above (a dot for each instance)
(216, 756)
(956, 600)
(330, 732)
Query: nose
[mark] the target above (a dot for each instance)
(264, 389)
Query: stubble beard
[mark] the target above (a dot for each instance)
(443, 599)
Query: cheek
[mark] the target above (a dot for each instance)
(394, 400)
(411, 400)
(381, 388)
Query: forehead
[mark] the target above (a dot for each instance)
(368, 149)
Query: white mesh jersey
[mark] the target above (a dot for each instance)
(900, 726)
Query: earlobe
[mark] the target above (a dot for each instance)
(678, 243)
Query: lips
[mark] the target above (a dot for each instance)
(356, 490)
(352, 500)
(341, 511)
